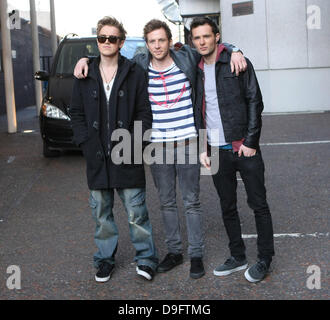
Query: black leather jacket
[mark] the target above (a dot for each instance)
(240, 101)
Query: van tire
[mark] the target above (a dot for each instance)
(48, 153)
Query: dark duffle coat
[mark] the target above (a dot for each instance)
(93, 122)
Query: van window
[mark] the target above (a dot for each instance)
(71, 52)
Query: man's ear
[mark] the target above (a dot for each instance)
(121, 43)
(217, 37)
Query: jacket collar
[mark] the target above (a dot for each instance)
(180, 60)
(124, 66)
(146, 60)
(222, 56)
(94, 66)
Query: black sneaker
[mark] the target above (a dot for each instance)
(196, 268)
(257, 272)
(145, 272)
(104, 272)
(170, 261)
(231, 265)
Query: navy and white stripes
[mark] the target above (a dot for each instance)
(170, 98)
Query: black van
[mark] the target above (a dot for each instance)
(54, 119)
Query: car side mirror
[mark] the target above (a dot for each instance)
(41, 75)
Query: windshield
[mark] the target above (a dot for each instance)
(72, 51)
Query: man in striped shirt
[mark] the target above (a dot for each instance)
(176, 121)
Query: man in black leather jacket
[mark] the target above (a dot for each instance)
(231, 108)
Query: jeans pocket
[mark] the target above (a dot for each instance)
(251, 157)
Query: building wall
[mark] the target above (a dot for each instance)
(288, 48)
(21, 42)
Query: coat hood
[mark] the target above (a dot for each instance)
(220, 57)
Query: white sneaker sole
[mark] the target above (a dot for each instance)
(97, 279)
(228, 272)
(143, 274)
(249, 278)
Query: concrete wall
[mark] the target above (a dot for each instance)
(288, 43)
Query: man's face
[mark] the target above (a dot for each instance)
(204, 40)
(108, 49)
(158, 44)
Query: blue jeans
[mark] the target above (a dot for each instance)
(106, 232)
(188, 174)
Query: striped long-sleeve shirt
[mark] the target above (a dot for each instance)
(170, 98)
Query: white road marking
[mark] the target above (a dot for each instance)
(290, 235)
(292, 113)
(294, 143)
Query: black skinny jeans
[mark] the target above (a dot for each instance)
(252, 173)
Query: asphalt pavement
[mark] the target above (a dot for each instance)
(46, 226)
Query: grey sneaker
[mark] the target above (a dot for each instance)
(257, 272)
(231, 265)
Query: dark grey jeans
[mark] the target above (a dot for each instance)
(187, 170)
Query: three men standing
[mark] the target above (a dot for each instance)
(176, 122)
(183, 100)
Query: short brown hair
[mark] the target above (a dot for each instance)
(201, 21)
(155, 24)
(113, 22)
